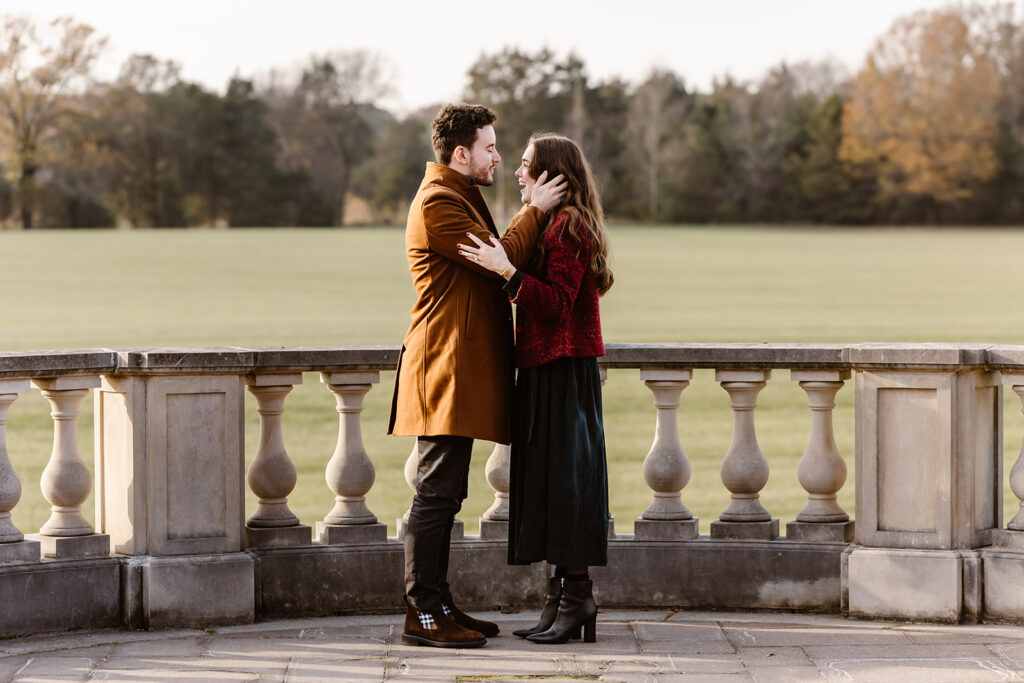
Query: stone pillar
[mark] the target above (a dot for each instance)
(494, 522)
(271, 475)
(821, 471)
(66, 481)
(744, 469)
(928, 484)
(1003, 564)
(13, 546)
(350, 473)
(170, 472)
(666, 468)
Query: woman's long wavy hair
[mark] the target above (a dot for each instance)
(557, 154)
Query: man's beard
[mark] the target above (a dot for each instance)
(480, 176)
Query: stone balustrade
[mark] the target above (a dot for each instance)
(172, 544)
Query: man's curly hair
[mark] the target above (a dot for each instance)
(457, 124)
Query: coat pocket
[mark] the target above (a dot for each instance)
(470, 319)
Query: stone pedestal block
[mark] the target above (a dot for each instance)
(720, 574)
(754, 531)
(64, 547)
(279, 537)
(170, 464)
(1005, 539)
(820, 532)
(60, 595)
(351, 534)
(197, 590)
(936, 585)
(493, 530)
(669, 530)
(19, 551)
(1003, 572)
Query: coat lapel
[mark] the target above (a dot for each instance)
(453, 180)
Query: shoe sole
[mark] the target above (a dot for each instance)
(419, 640)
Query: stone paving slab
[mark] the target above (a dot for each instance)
(786, 656)
(632, 646)
(951, 670)
(1013, 654)
(786, 674)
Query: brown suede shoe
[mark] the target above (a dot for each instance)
(437, 630)
(489, 629)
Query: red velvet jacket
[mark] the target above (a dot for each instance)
(557, 311)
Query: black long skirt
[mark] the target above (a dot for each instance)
(558, 495)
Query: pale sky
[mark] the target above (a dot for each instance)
(430, 44)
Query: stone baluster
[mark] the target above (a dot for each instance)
(744, 469)
(1017, 476)
(409, 472)
(666, 468)
(66, 481)
(271, 475)
(1009, 542)
(350, 473)
(821, 471)
(494, 522)
(13, 546)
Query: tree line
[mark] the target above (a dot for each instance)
(930, 130)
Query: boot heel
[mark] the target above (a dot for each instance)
(590, 630)
(410, 640)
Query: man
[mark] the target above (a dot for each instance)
(455, 372)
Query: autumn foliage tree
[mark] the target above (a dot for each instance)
(930, 130)
(39, 68)
(922, 112)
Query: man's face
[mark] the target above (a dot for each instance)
(483, 156)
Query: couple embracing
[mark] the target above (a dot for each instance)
(457, 374)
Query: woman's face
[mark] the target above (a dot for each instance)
(525, 176)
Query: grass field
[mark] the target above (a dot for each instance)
(82, 289)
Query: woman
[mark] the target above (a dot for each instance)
(559, 483)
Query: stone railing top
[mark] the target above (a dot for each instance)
(240, 360)
(874, 355)
(725, 356)
(256, 360)
(196, 360)
(57, 363)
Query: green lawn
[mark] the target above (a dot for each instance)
(81, 289)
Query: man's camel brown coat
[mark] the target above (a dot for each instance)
(456, 369)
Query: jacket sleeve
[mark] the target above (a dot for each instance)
(553, 293)
(447, 221)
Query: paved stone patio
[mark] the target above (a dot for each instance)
(631, 646)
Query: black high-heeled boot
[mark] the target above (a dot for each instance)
(575, 610)
(547, 615)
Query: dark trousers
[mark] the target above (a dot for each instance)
(442, 482)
